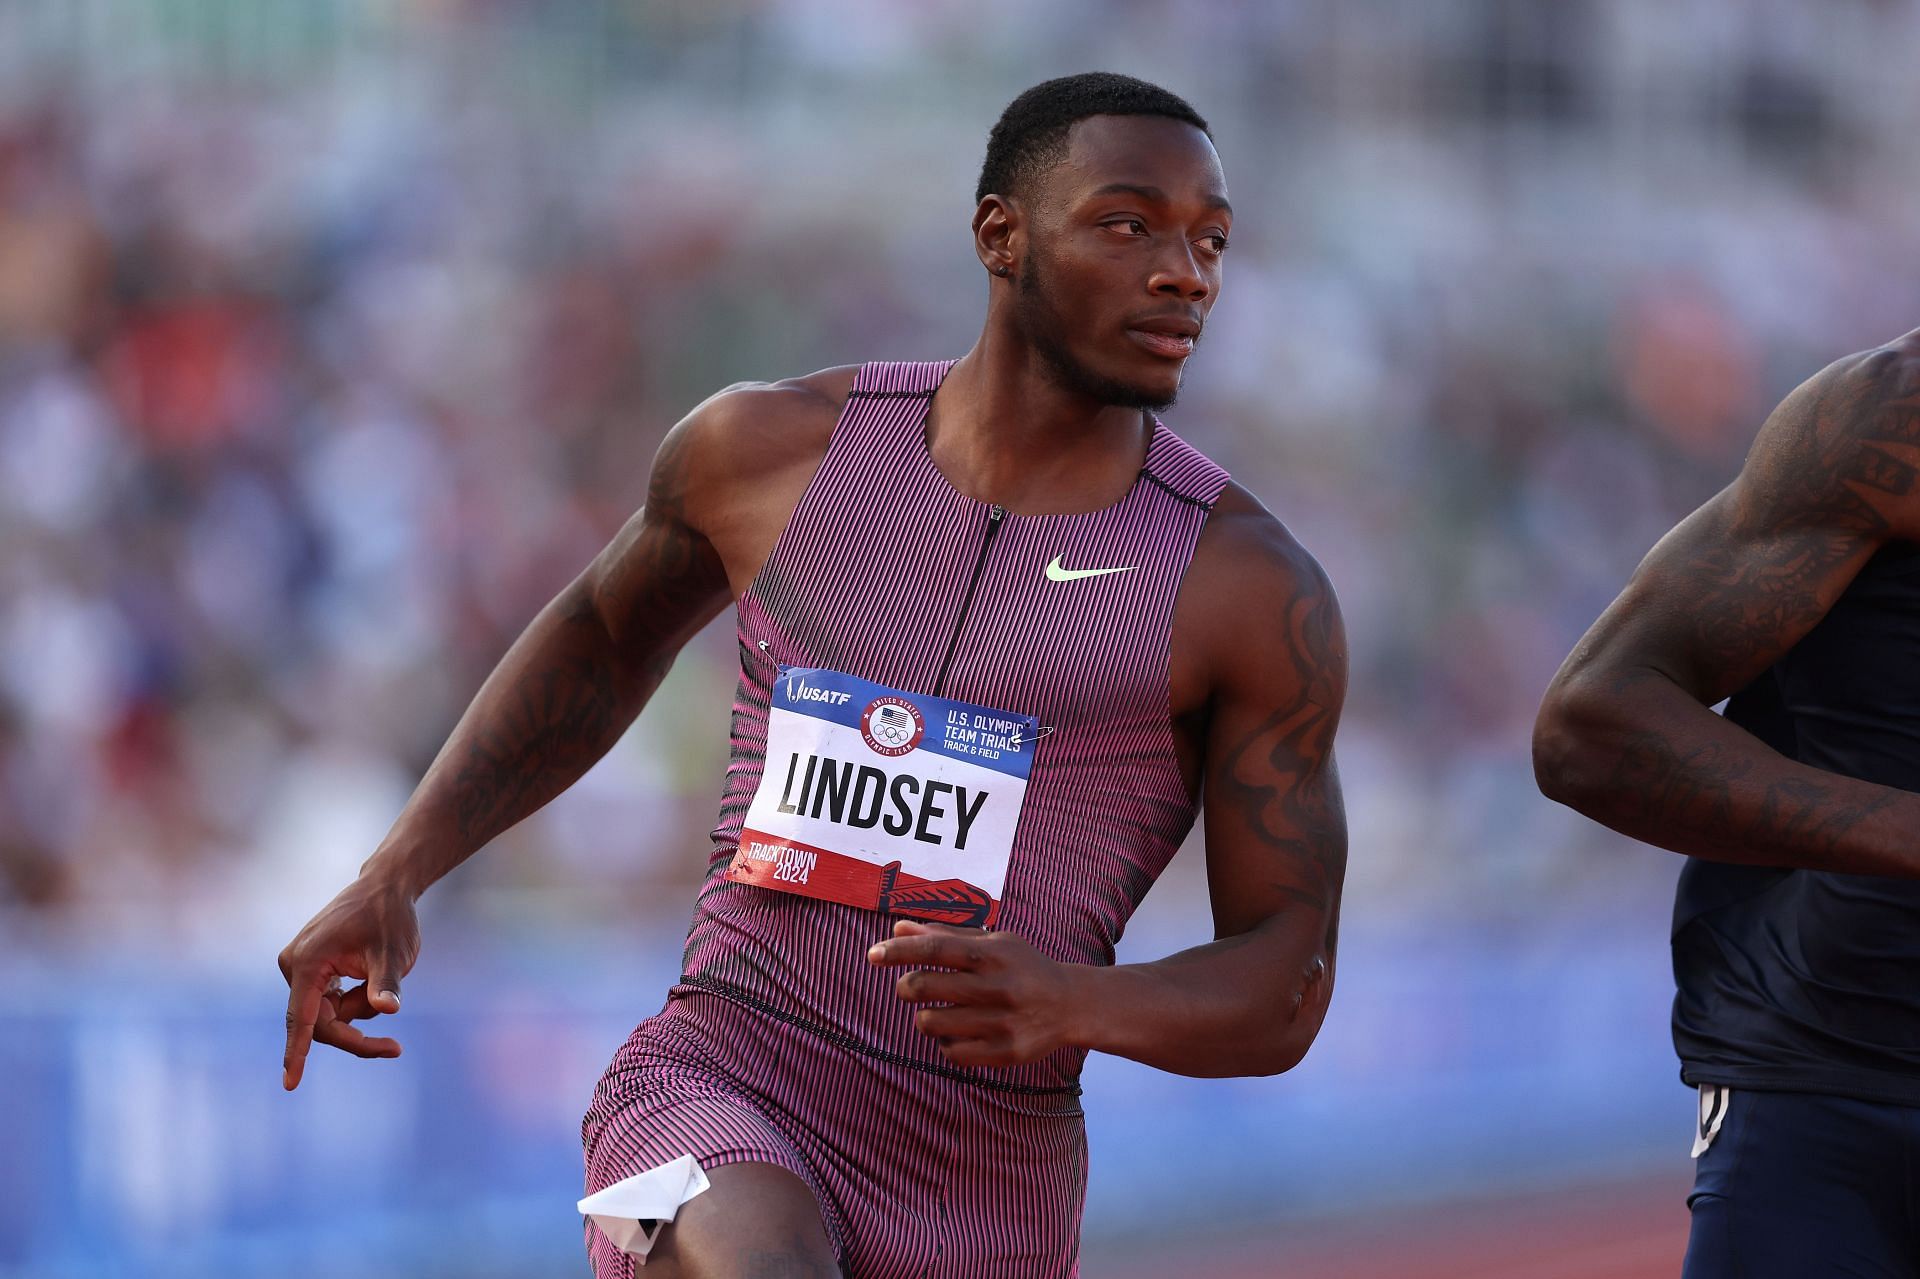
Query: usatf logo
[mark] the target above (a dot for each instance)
(892, 725)
(800, 691)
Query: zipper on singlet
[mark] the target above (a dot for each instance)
(996, 514)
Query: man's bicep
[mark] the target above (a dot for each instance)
(1738, 583)
(660, 579)
(1276, 825)
(1833, 475)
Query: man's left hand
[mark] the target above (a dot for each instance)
(990, 999)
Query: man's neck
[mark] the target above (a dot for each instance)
(1004, 429)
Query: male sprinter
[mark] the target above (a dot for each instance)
(1001, 633)
(1795, 593)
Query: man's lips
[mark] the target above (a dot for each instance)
(1172, 346)
(1169, 334)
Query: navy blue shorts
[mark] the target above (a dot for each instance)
(1801, 1186)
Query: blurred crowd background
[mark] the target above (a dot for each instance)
(336, 337)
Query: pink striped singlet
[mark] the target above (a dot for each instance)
(781, 1044)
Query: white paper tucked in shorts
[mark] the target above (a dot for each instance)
(633, 1212)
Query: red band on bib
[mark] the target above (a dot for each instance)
(793, 867)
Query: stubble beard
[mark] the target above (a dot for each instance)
(1040, 321)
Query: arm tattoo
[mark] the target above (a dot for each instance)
(1280, 777)
(1839, 475)
(610, 650)
(1832, 477)
(554, 724)
(1693, 788)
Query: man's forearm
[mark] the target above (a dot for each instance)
(1650, 761)
(1245, 1005)
(556, 703)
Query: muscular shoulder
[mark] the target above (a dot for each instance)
(732, 471)
(1256, 607)
(742, 452)
(1842, 451)
(1246, 558)
(1853, 386)
(752, 429)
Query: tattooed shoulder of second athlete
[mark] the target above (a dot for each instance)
(1841, 451)
(1831, 477)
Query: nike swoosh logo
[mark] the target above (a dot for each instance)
(1055, 573)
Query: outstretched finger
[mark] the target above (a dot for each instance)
(930, 928)
(304, 1000)
(959, 948)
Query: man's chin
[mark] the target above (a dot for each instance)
(1141, 395)
(1130, 391)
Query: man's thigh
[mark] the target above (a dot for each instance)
(1797, 1185)
(755, 1221)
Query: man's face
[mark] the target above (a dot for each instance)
(1123, 257)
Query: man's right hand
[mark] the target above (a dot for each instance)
(369, 932)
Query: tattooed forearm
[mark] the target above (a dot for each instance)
(546, 730)
(1726, 801)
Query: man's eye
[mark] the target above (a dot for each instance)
(1134, 225)
(1217, 244)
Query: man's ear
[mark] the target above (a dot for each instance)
(998, 229)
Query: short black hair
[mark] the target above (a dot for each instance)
(1031, 133)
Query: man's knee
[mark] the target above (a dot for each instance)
(757, 1221)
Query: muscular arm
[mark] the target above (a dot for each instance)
(723, 482)
(722, 485)
(1251, 1001)
(1625, 733)
(572, 682)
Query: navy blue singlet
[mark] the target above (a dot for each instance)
(1800, 980)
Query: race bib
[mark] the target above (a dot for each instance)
(886, 800)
